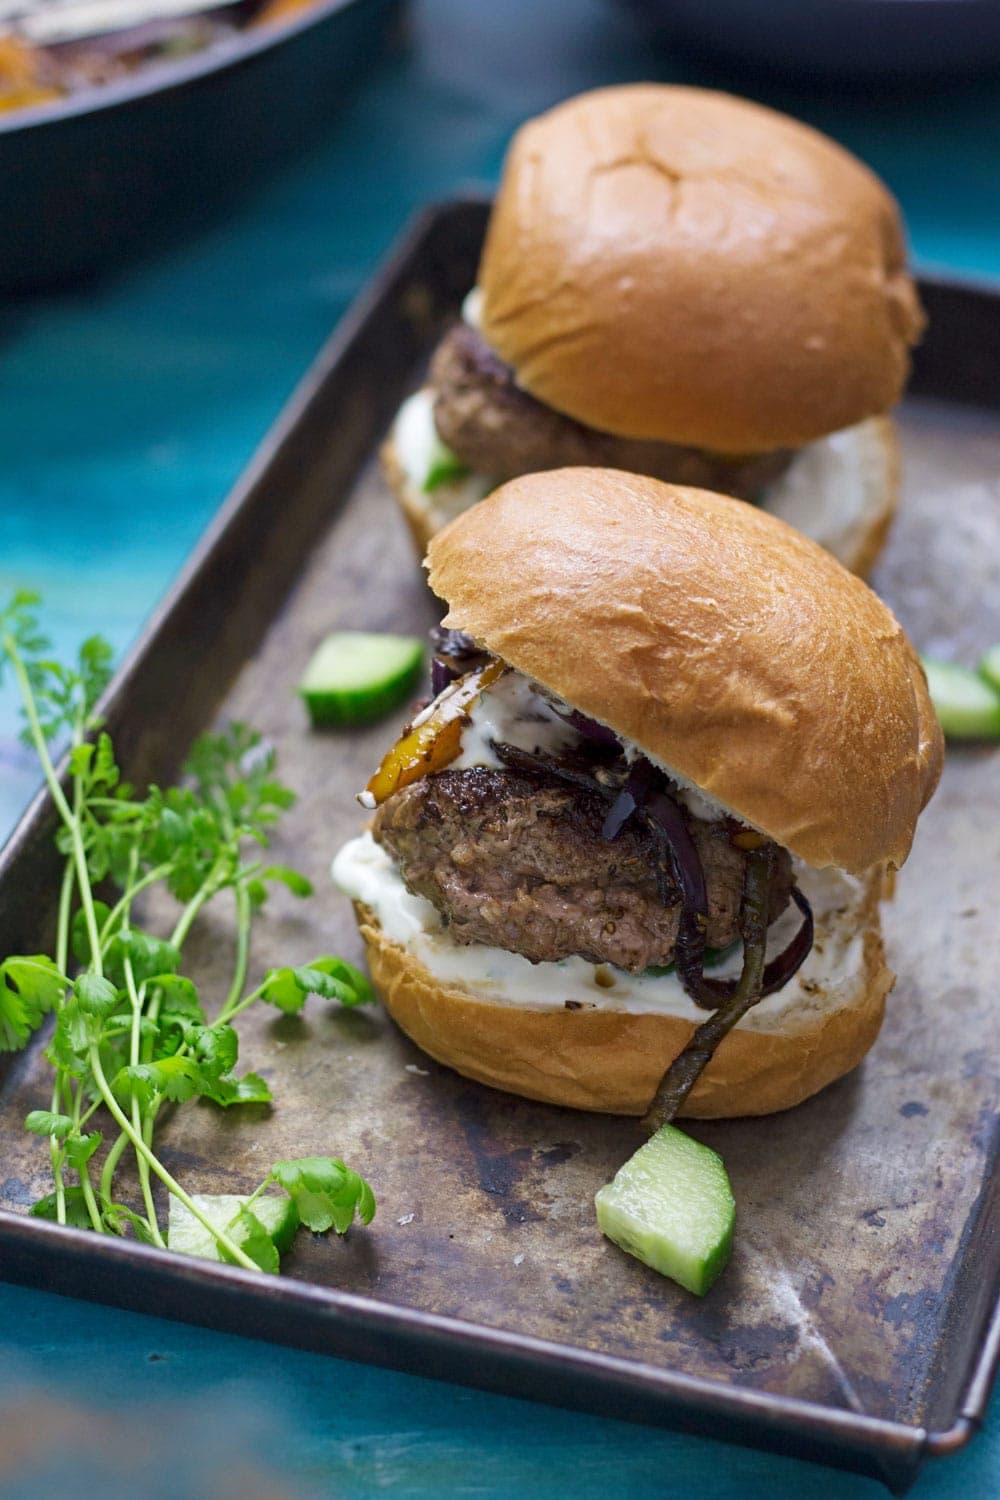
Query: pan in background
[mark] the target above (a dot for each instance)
(90, 180)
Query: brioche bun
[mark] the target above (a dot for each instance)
(721, 642)
(679, 265)
(613, 1060)
(842, 491)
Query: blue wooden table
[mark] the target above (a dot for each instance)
(126, 410)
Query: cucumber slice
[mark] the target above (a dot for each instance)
(444, 466)
(671, 1206)
(278, 1215)
(967, 707)
(989, 666)
(354, 676)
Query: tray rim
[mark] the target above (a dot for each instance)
(894, 1450)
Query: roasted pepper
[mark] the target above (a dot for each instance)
(433, 742)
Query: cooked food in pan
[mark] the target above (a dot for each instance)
(630, 857)
(51, 50)
(682, 284)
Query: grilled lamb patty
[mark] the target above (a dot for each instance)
(517, 863)
(498, 429)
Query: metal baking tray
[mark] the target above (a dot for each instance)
(857, 1324)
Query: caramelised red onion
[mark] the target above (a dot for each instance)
(686, 1068)
(455, 653)
(590, 729)
(663, 816)
(454, 643)
(441, 675)
(538, 763)
(638, 784)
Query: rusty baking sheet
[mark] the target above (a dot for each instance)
(856, 1324)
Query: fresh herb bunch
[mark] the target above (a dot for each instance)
(130, 1031)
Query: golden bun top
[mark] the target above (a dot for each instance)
(680, 265)
(723, 643)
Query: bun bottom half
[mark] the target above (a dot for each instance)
(842, 491)
(612, 1060)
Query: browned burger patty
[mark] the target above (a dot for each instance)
(498, 429)
(515, 863)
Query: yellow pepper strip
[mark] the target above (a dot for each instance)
(435, 742)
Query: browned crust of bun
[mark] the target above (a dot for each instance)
(679, 265)
(719, 640)
(612, 1061)
(412, 503)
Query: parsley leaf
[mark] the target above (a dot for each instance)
(326, 1193)
(29, 988)
(331, 978)
(75, 1208)
(44, 1122)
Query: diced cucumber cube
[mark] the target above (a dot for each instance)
(355, 676)
(967, 706)
(989, 666)
(672, 1207)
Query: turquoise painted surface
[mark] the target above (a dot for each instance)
(99, 1399)
(126, 411)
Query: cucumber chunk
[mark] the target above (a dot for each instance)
(671, 1206)
(989, 666)
(967, 706)
(278, 1215)
(355, 676)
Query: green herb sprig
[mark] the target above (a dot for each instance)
(130, 1032)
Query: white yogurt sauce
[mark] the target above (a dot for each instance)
(472, 307)
(514, 712)
(511, 712)
(366, 872)
(417, 445)
(823, 491)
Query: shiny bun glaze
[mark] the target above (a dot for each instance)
(679, 265)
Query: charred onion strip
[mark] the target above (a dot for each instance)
(639, 783)
(676, 848)
(681, 1076)
(455, 653)
(539, 763)
(589, 729)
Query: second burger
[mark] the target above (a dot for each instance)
(683, 284)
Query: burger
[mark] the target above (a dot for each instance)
(630, 856)
(683, 284)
